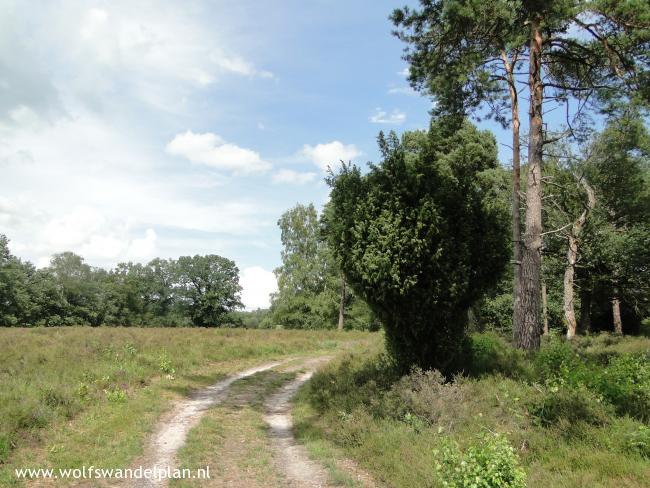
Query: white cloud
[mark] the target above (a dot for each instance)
(293, 177)
(380, 116)
(143, 248)
(257, 286)
(404, 72)
(84, 185)
(156, 54)
(162, 42)
(240, 66)
(73, 229)
(88, 232)
(102, 248)
(93, 22)
(331, 153)
(25, 117)
(402, 90)
(211, 150)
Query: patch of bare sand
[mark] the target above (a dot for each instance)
(292, 458)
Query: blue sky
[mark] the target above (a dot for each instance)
(130, 130)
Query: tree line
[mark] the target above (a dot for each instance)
(189, 291)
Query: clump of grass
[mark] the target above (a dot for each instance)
(560, 405)
(638, 441)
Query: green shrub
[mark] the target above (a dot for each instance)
(567, 406)
(625, 383)
(558, 362)
(422, 236)
(82, 391)
(116, 396)
(354, 426)
(496, 312)
(130, 349)
(620, 379)
(489, 353)
(351, 384)
(417, 423)
(423, 393)
(638, 441)
(165, 364)
(490, 463)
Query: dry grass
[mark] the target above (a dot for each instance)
(89, 396)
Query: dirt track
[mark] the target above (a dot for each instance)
(173, 428)
(290, 465)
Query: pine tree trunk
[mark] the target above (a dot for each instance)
(572, 258)
(544, 308)
(516, 200)
(616, 314)
(342, 307)
(569, 273)
(585, 311)
(527, 335)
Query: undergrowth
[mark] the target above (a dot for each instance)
(574, 414)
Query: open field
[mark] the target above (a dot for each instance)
(90, 396)
(574, 415)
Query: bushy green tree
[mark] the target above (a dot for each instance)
(208, 288)
(617, 255)
(303, 299)
(310, 284)
(158, 281)
(15, 299)
(144, 294)
(421, 238)
(80, 287)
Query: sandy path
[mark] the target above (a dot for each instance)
(292, 457)
(292, 464)
(171, 434)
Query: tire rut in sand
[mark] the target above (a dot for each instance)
(291, 457)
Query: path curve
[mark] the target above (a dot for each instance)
(292, 458)
(172, 433)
